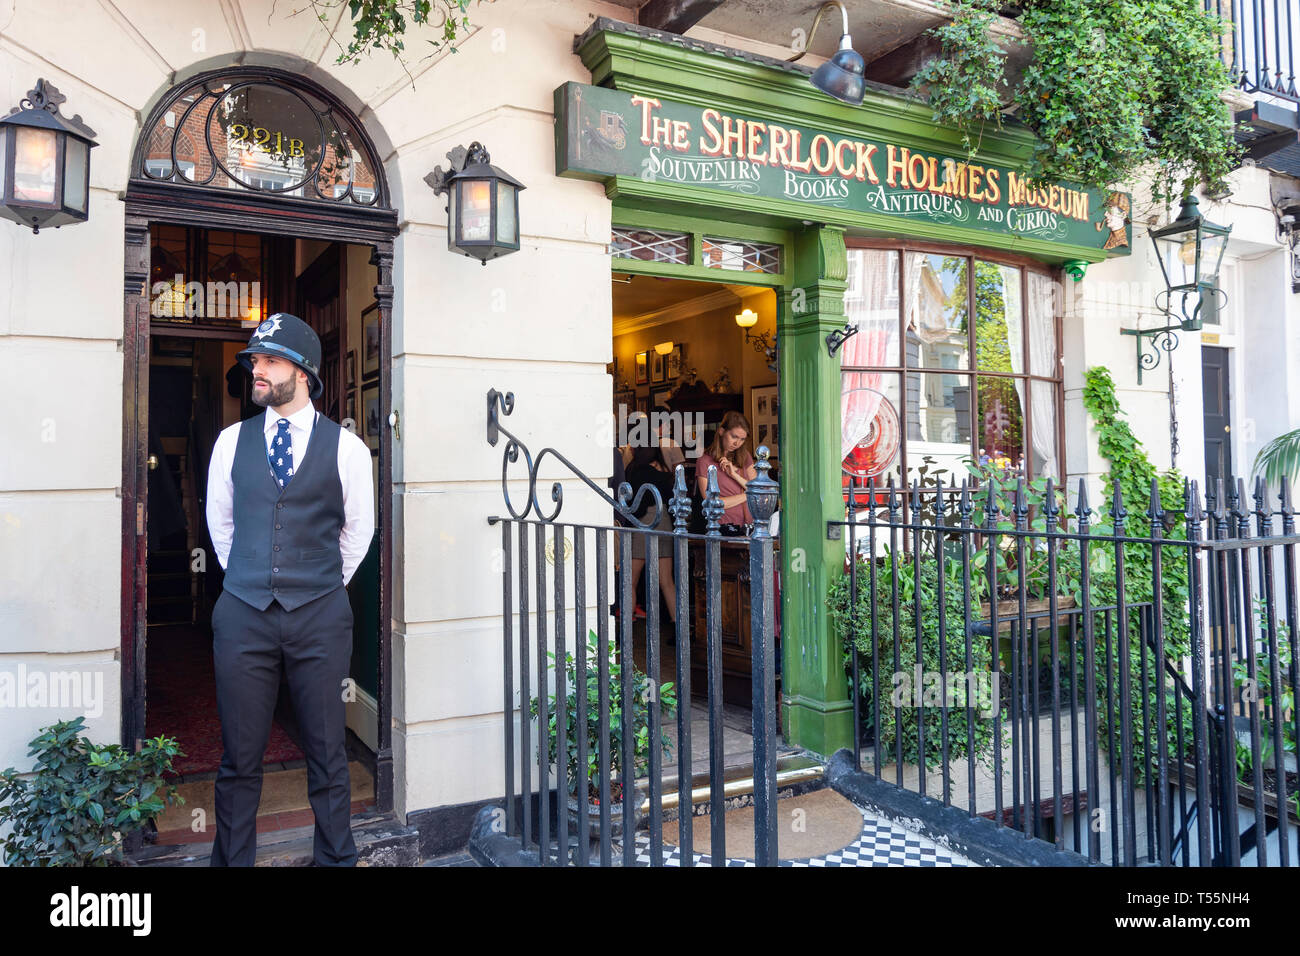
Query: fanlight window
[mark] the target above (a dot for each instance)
(255, 133)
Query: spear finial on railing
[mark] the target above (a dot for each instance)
(1081, 509)
(1288, 513)
(964, 504)
(1118, 513)
(1155, 510)
(1051, 507)
(1021, 506)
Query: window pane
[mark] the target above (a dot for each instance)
(999, 327)
(938, 421)
(871, 430)
(1042, 326)
(936, 312)
(1045, 460)
(871, 304)
(1001, 425)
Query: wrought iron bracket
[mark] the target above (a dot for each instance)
(1164, 339)
(836, 338)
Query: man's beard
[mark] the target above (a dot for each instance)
(281, 394)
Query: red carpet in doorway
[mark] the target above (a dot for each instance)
(182, 700)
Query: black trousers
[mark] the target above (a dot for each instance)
(313, 643)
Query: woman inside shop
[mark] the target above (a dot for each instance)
(730, 452)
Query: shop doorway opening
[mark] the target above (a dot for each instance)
(207, 290)
(252, 191)
(691, 357)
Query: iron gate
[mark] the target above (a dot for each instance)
(549, 694)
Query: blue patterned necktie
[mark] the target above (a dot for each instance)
(281, 454)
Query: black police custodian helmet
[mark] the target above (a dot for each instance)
(288, 337)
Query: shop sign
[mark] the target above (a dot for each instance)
(602, 133)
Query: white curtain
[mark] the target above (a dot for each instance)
(871, 303)
(1042, 359)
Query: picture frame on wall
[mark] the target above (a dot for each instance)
(656, 367)
(673, 365)
(370, 412)
(660, 396)
(352, 369)
(370, 341)
(643, 404)
(351, 411)
(642, 368)
(764, 416)
(624, 401)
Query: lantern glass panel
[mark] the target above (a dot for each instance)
(1212, 248)
(475, 210)
(4, 155)
(453, 209)
(75, 157)
(35, 165)
(507, 223)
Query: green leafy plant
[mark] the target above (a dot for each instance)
(1132, 473)
(1260, 689)
(1113, 87)
(970, 720)
(83, 798)
(1279, 459)
(644, 696)
(381, 24)
(966, 84)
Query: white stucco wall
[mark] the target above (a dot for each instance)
(537, 323)
(1260, 330)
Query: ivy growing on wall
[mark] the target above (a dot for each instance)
(1113, 87)
(1132, 473)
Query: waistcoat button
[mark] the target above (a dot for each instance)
(276, 570)
(277, 547)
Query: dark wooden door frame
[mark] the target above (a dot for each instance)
(220, 209)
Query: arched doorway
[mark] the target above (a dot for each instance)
(251, 191)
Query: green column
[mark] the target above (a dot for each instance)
(816, 712)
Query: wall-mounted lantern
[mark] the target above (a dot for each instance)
(747, 319)
(482, 204)
(44, 162)
(1190, 250)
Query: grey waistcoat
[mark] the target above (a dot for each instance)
(286, 543)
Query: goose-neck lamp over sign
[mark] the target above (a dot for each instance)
(842, 75)
(44, 162)
(482, 204)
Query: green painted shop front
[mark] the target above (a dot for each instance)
(684, 137)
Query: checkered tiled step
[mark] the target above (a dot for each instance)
(879, 844)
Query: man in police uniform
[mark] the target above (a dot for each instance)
(291, 513)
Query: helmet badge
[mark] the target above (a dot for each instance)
(269, 327)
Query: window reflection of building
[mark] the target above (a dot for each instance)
(987, 390)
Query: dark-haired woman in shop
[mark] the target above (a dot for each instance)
(730, 452)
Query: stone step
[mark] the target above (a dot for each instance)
(380, 839)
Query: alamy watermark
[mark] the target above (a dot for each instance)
(212, 300)
(81, 691)
(946, 689)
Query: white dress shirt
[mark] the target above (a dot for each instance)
(354, 464)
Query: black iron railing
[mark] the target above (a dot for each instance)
(1259, 43)
(579, 755)
(1120, 685)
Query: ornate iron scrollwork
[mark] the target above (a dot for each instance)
(257, 131)
(626, 503)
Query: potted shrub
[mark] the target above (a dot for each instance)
(643, 698)
(83, 799)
